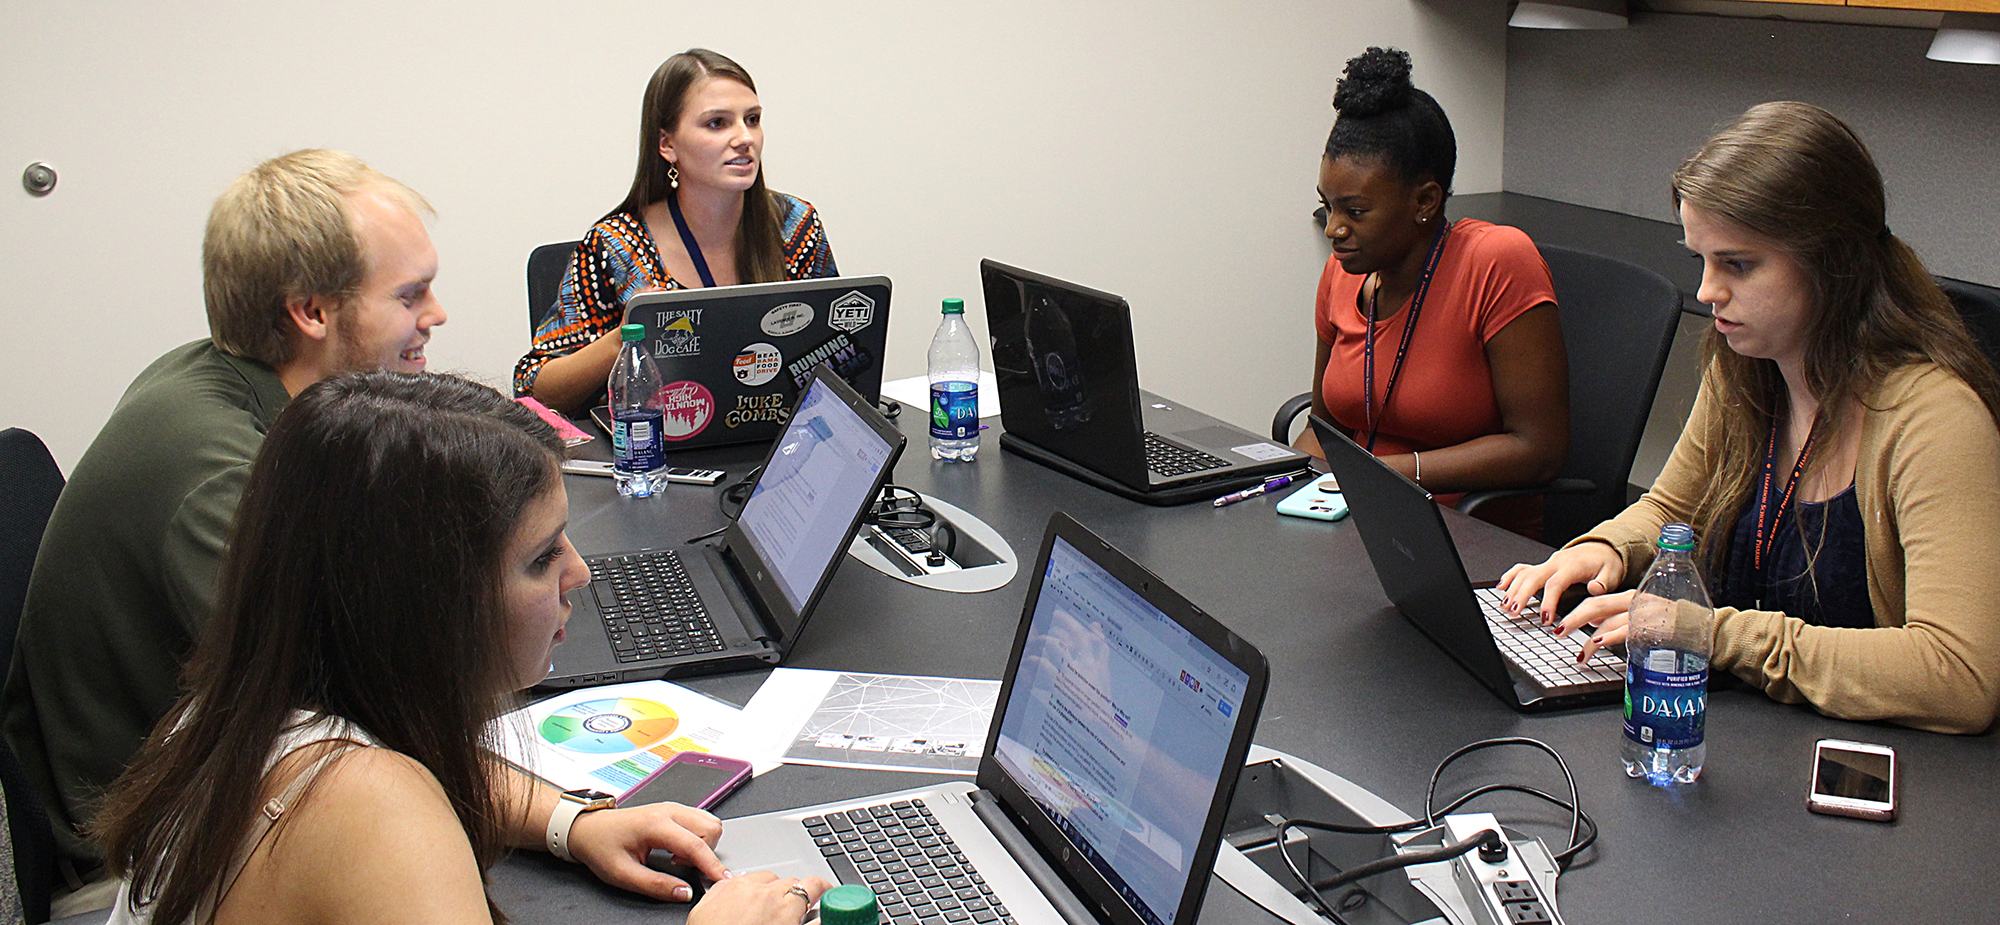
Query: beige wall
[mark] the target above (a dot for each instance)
(1163, 150)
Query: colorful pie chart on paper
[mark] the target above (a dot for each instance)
(605, 727)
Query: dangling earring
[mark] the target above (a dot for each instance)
(673, 176)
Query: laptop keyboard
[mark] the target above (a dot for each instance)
(652, 611)
(1547, 658)
(1166, 459)
(918, 875)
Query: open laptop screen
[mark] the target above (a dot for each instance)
(1118, 725)
(821, 474)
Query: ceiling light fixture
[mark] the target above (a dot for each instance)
(1569, 14)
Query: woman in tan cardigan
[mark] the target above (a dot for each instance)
(1841, 466)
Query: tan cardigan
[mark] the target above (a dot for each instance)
(1927, 480)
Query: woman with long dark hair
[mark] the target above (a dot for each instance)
(698, 214)
(398, 572)
(1439, 345)
(1841, 466)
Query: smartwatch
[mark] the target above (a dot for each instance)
(574, 803)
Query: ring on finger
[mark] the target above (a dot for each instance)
(800, 892)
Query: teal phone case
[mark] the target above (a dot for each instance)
(1313, 503)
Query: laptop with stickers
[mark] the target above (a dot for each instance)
(1070, 399)
(733, 358)
(1120, 732)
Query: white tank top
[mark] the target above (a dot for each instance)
(305, 729)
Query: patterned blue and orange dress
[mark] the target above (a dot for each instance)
(618, 260)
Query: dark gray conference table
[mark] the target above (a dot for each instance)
(1358, 690)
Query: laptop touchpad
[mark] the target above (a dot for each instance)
(1221, 437)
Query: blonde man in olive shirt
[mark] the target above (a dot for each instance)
(313, 264)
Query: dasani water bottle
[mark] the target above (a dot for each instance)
(1666, 667)
(638, 449)
(954, 375)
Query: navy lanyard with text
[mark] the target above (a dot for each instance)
(1402, 347)
(687, 238)
(1767, 515)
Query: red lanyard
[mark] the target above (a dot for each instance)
(1402, 347)
(1767, 516)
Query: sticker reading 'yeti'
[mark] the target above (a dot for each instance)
(758, 364)
(687, 407)
(851, 312)
(789, 318)
(1261, 451)
(677, 338)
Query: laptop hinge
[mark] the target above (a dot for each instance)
(736, 583)
(1058, 891)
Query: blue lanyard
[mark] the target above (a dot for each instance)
(687, 238)
(1403, 347)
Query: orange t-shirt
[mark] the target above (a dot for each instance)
(1488, 276)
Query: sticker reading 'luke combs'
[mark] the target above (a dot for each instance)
(758, 364)
(850, 312)
(789, 318)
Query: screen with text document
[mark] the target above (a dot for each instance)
(1118, 726)
(821, 474)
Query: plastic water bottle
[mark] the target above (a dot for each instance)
(1666, 666)
(852, 904)
(954, 375)
(638, 449)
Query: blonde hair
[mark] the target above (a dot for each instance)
(283, 231)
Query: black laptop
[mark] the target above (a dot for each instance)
(1070, 399)
(1517, 659)
(1122, 723)
(741, 600)
(733, 358)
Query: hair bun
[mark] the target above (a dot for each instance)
(1374, 82)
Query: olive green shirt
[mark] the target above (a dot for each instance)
(126, 574)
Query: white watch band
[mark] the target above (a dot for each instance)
(560, 822)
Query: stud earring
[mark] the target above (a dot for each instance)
(673, 176)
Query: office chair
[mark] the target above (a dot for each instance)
(32, 483)
(545, 272)
(1618, 321)
(1980, 307)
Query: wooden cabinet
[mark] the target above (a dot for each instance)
(1949, 6)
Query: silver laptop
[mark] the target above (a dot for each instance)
(1070, 399)
(1121, 728)
(1516, 658)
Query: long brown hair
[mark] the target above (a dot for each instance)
(760, 254)
(1797, 176)
(362, 581)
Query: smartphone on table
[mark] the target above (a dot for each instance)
(1855, 779)
(696, 779)
(1319, 500)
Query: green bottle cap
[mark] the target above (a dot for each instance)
(954, 306)
(849, 905)
(632, 332)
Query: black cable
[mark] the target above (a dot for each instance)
(1561, 858)
(1576, 806)
(732, 499)
(1299, 875)
(1404, 859)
